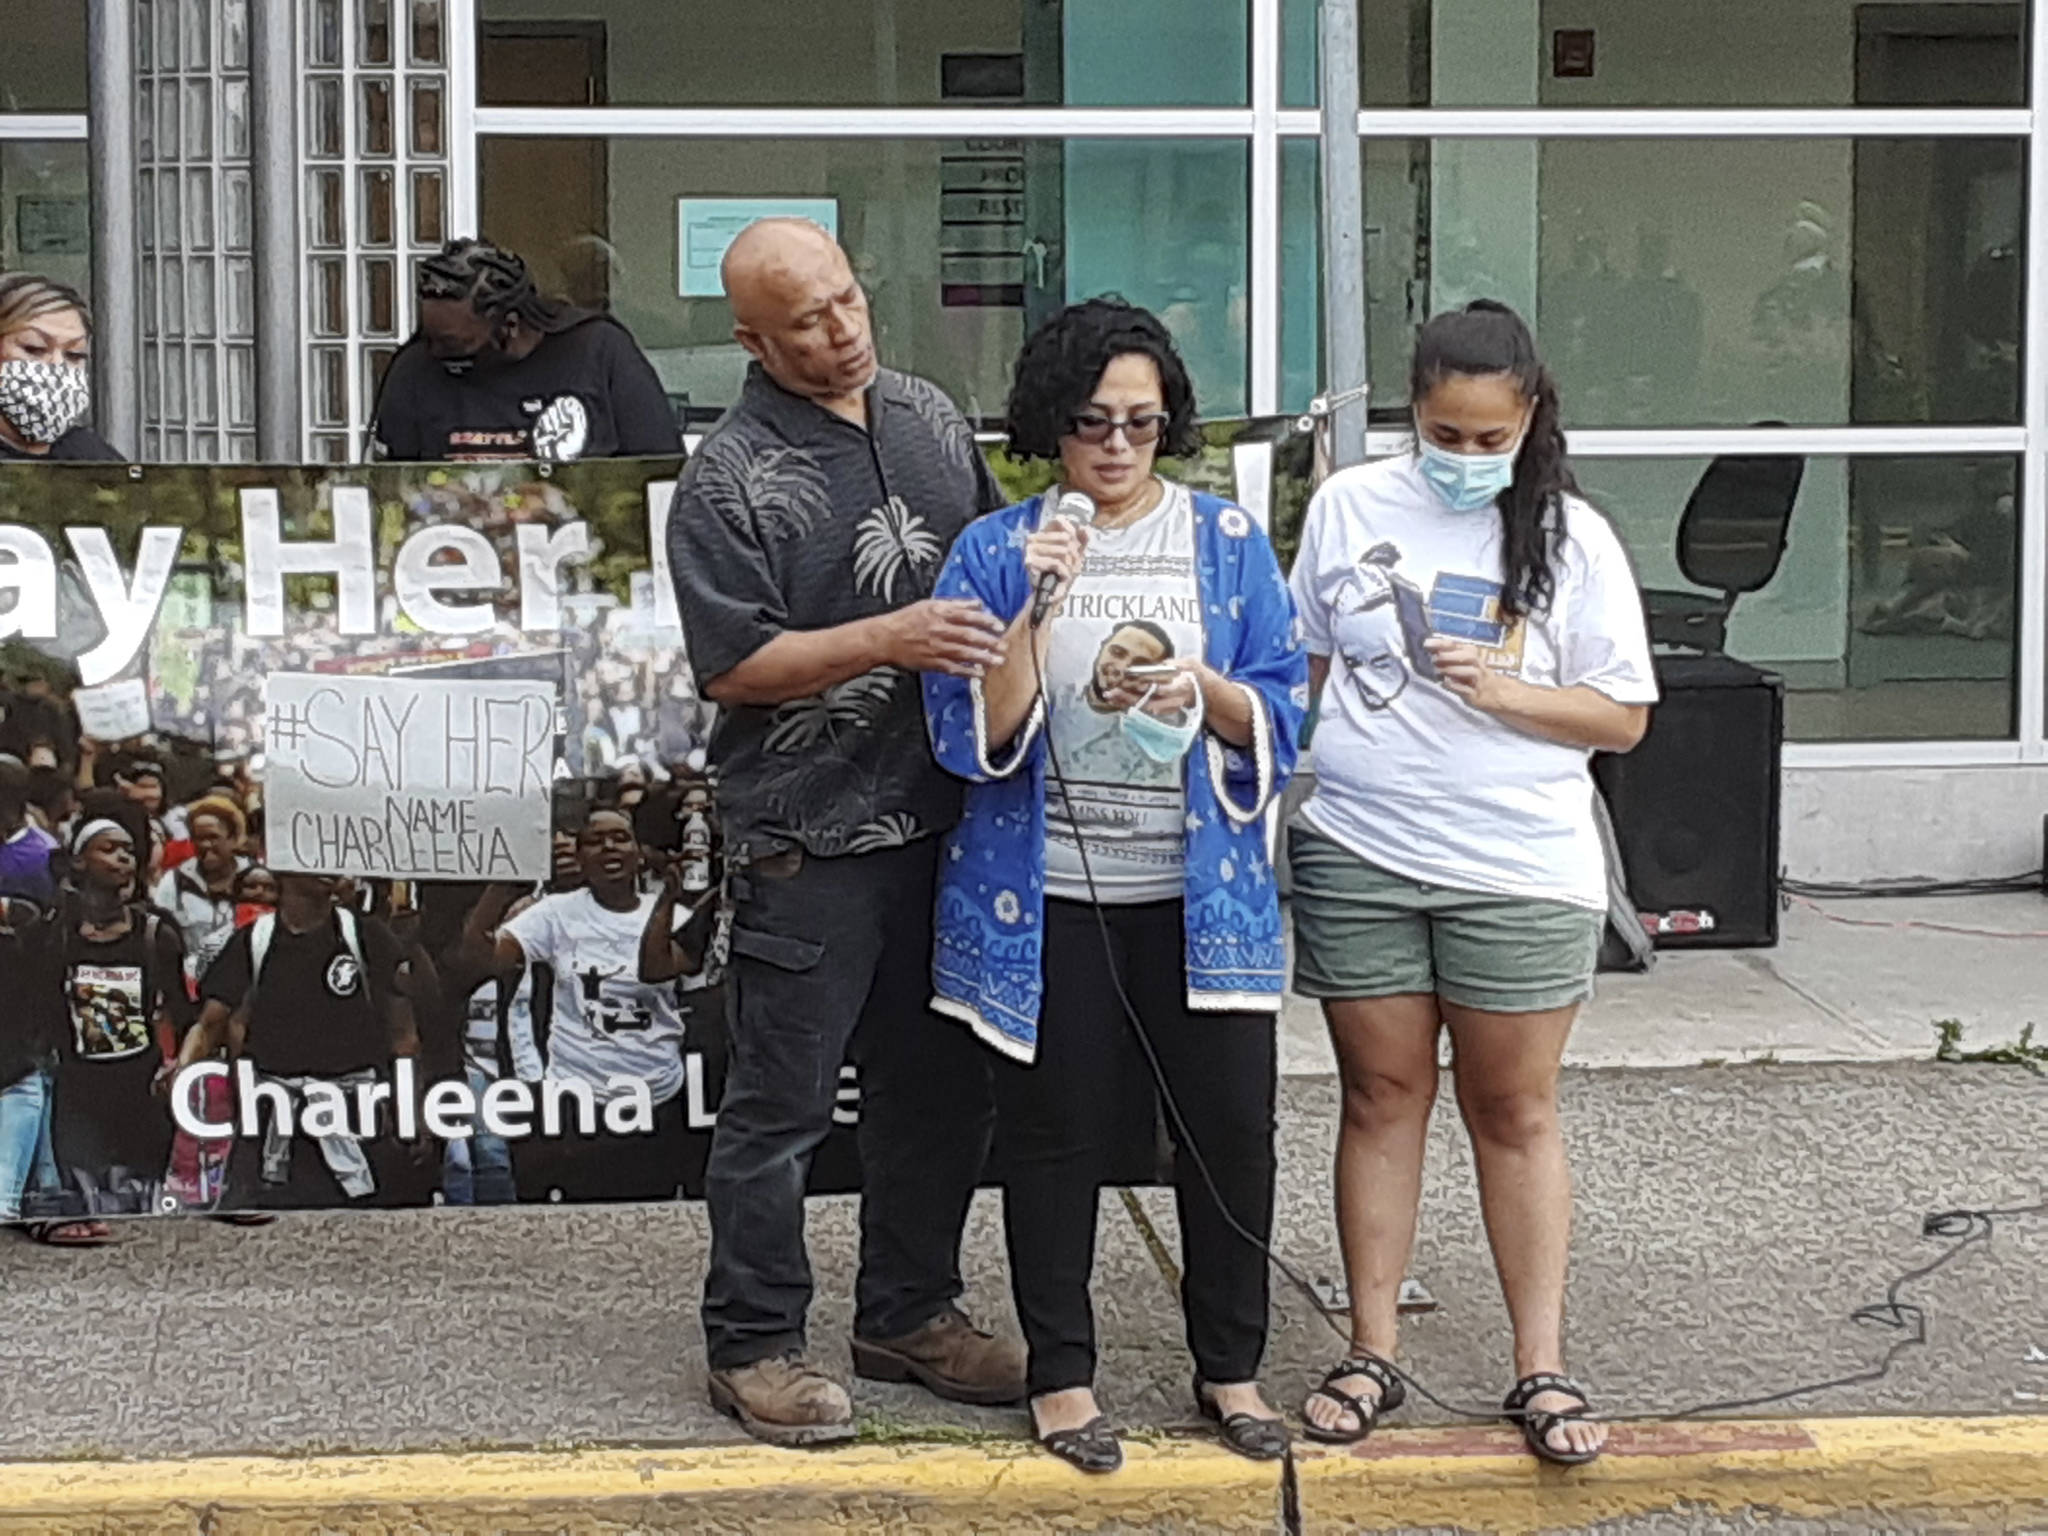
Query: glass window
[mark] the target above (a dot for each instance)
(234, 34)
(324, 112)
(200, 306)
(42, 68)
(954, 270)
(198, 35)
(427, 222)
(1393, 53)
(323, 33)
(167, 35)
(1677, 283)
(426, 32)
(1301, 273)
(1672, 53)
(374, 131)
(875, 53)
(373, 22)
(1892, 614)
(241, 387)
(45, 223)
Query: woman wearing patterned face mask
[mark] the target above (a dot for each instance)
(45, 378)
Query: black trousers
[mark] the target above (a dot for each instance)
(832, 957)
(1059, 1119)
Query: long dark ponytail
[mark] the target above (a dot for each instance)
(1487, 337)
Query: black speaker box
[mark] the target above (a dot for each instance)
(1695, 807)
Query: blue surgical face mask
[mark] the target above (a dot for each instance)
(1159, 739)
(1467, 482)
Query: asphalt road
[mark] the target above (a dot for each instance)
(1730, 1219)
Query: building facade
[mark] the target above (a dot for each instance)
(1799, 228)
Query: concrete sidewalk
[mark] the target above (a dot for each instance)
(1730, 1219)
(1849, 981)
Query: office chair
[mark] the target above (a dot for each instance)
(1731, 540)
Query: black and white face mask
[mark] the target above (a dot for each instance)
(43, 401)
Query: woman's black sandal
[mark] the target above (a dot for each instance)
(1252, 1437)
(1093, 1447)
(1375, 1370)
(1537, 1425)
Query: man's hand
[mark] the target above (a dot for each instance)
(956, 636)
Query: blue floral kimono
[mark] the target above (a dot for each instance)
(987, 964)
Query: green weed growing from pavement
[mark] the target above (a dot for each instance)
(2019, 1053)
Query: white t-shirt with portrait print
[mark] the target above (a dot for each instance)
(1409, 776)
(1137, 601)
(606, 1022)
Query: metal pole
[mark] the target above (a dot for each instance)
(1344, 343)
(116, 270)
(2033, 594)
(274, 171)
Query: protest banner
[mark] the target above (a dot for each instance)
(463, 691)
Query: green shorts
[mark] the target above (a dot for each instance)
(1361, 931)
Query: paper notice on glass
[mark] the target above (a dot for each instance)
(113, 711)
(707, 226)
(408, 778)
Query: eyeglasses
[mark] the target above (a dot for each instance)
(1093, 427)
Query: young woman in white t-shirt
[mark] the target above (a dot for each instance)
(1475, 634)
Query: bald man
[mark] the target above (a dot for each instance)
(806, 536)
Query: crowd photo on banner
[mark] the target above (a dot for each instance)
(165, 908)
(536, 813)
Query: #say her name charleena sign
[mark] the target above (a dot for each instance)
(409, 778)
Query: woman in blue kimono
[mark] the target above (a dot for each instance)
(1112, 857)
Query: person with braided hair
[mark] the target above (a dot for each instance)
(497, 370)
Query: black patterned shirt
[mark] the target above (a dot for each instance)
(791, 518)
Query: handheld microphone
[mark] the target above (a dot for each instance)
(1074, 507)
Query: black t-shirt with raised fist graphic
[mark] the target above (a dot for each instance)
(584, 393)
(315, 1013)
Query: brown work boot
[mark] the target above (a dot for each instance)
(785, 1401)
(948, 1356)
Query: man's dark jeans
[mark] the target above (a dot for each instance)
(831, 957)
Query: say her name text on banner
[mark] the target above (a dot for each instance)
(409, 778)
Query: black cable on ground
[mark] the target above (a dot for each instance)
(1821, 890)
(1964, 1228)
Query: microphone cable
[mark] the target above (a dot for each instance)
(1963, 1228)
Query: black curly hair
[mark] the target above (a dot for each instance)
(1064, 360)
(493, 282)
(1487, 337)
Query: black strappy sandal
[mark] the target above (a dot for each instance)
(1375, 1370)
(1536, 1425)
(1252, 1437)
(1092, 1448)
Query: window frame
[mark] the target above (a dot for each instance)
(1264, 124)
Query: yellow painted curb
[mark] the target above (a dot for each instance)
(1989, 1470)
